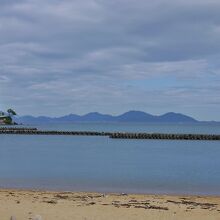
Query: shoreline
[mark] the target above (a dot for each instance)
(25, 204)
(59, 190)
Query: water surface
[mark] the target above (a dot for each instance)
(102, 164)
(202, 128)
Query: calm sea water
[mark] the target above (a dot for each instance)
(84, 163)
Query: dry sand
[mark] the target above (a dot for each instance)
(96, 206)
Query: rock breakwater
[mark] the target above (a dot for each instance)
(114, 135)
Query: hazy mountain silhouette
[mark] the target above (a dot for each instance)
(131, 116)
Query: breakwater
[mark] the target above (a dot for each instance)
(165, 136)
(17, 129)
(114, 135)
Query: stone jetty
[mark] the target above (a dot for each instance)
(114, 135)
(17, 129)
(165, 136)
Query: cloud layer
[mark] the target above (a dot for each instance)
(77, 56)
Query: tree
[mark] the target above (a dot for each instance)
(11, 112)
(8, 120)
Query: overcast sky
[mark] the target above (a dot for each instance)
(77, 56)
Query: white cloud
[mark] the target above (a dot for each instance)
(82, 53)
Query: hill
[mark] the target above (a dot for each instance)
(131, 116)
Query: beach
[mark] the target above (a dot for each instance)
(51, 205)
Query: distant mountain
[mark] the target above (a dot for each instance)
(95, 116)
(136, 116)
(131, 116)
(71, 117)
(28, 119)
(176, 117)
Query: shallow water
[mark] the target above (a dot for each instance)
(102, 164)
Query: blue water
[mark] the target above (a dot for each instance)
(203, 128)
(82, 163)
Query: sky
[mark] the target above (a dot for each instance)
(78, 56)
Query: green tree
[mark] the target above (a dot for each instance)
(8, 120)
(11, 112)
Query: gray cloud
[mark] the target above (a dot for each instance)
(97, 55)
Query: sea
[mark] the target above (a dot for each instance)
(102, 164)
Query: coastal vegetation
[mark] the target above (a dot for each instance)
(6, 118)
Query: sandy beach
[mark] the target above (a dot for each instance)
(96, 206)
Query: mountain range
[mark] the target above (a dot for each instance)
(131, 116)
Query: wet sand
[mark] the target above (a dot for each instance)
(95, 206)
